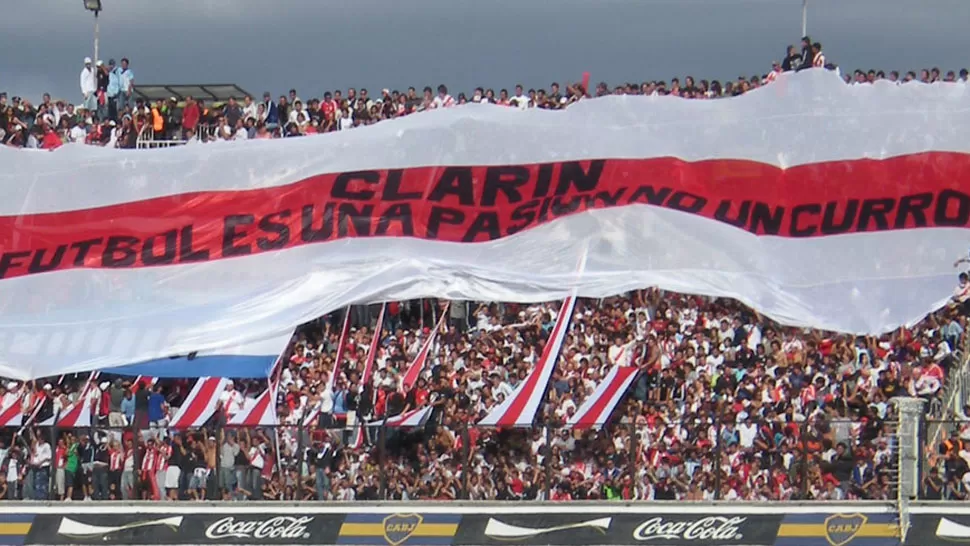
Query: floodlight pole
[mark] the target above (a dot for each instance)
(804, 17)
(96, 36)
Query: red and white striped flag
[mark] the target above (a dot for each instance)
(201, 403)
(365, 378)
(78, 413)
(519, 409)
(37, 404)
(341, 348)
(12, 415)
(596, 410)
(409, 419)
(260, 414)
(420, 361)
(143, 381)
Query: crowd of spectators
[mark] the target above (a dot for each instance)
(727, 405)
(110, 114)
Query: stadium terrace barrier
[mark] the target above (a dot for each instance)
(461, 524)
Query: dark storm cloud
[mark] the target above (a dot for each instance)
(321, 44)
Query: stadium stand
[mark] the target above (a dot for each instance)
(726, 405)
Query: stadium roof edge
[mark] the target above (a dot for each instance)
(217, 92)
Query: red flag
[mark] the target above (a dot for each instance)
(420, 360)
(341, 347)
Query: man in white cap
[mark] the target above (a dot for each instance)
(89, 85)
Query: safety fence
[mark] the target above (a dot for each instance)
(705, 459)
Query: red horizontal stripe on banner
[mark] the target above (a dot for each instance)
(471, 204)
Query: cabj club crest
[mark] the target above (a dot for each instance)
(840, 529)
(399, 527)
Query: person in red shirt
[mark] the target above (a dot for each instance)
(190, 115)
(51, 140)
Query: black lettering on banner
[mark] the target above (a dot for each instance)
(399, 213)
(766, 220)
(392, 188)
(269, 225)
(829, 227)
(913, 206)
(485, 223)
(37, 264)
(723, 213)
(810, 226)
(440, 216)
(186, 252)
(572, 175)
(10, 260)
(504, 180)
(348, 215)
(875, 211)
(523, 215)
(544, 210)
(687, 202)
(608, 199)
(230, 234)
(543, 180)
(559, 207)
(169, 249)
(83, 247)
(341, 185)
(120, 251)
(457, 182)
(948, 199)
(651, 195)
(311, 234)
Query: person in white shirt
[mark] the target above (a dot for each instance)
(241, 133)
(251, 109)
(520, 100)
(257, 461)
(620, 353)
(89, 85)
(295, 115)
(443, 100)
(40, 463)
(232, 400)
(79, 132)
(11, 395)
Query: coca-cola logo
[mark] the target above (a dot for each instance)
(279, 527)
(712, 528)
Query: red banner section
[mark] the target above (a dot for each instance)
(473, 204)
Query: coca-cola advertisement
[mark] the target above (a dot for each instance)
(195, 528)
(634, 528)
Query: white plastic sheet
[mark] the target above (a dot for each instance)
(801, 142)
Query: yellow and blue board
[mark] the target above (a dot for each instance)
(844, 529)
(399, 529)
(14, 528)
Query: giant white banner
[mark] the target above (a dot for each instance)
(819, 204)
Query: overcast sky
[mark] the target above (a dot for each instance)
(316, 45)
